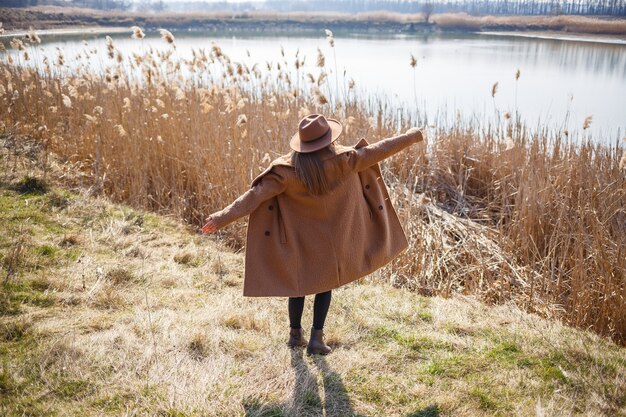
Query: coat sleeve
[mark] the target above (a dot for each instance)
(269, 186)
(362, 158)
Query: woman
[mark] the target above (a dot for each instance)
(320, 217)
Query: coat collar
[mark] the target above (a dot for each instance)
(285, 160)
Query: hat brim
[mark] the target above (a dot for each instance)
(305, 147)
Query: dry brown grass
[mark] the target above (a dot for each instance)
(189, 349)
(535, 219)
(569, 24)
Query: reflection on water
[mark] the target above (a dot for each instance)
(599, 59)
(561, 83)
(603, 60)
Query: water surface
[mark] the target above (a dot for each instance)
(561, 83)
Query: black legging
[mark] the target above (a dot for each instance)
(320, 309)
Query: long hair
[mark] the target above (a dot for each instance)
(310, 170)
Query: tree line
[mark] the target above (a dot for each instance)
(91, 4)
(475, 7)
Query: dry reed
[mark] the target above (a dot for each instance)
(569, 24)
(531, 218)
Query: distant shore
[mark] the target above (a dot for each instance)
(73, 30)
(69, 20)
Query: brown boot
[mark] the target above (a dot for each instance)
(317, 346)
(296, 339)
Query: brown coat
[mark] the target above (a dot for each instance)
(299, 243)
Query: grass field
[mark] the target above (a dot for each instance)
(533, 218)
(110, 310)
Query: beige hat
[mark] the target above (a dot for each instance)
(314, 133)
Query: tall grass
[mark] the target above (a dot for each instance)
(568, 24)
(490, 209)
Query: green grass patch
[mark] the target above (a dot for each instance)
(20, 373)
(73, 389)
(7, 383)
(15, 210)
(436, 367)
(46, 250)
(34, 298)
(27, 405)
(550, 368)
(454, 366)
(15, 330)
(506, 352)
(408, 340)
(495, 396)
(17, 292)
(373, 393)
(24, 214)
(382, 332)
(485, 401)
(112, 403)
(423, 343)
(8, 306)
(425, 316)
(38, 257)
(153, 221)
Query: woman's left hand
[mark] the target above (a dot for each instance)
(210, 226)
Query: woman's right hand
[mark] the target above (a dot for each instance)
(210, 226)
(415, 133)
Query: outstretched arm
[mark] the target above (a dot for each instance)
(270, 185)
(364, 157)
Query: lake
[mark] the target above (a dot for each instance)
(561, 82)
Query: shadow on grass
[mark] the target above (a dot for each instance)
(336, 399)
(430, 411)
(255, 409)
(306, 399)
